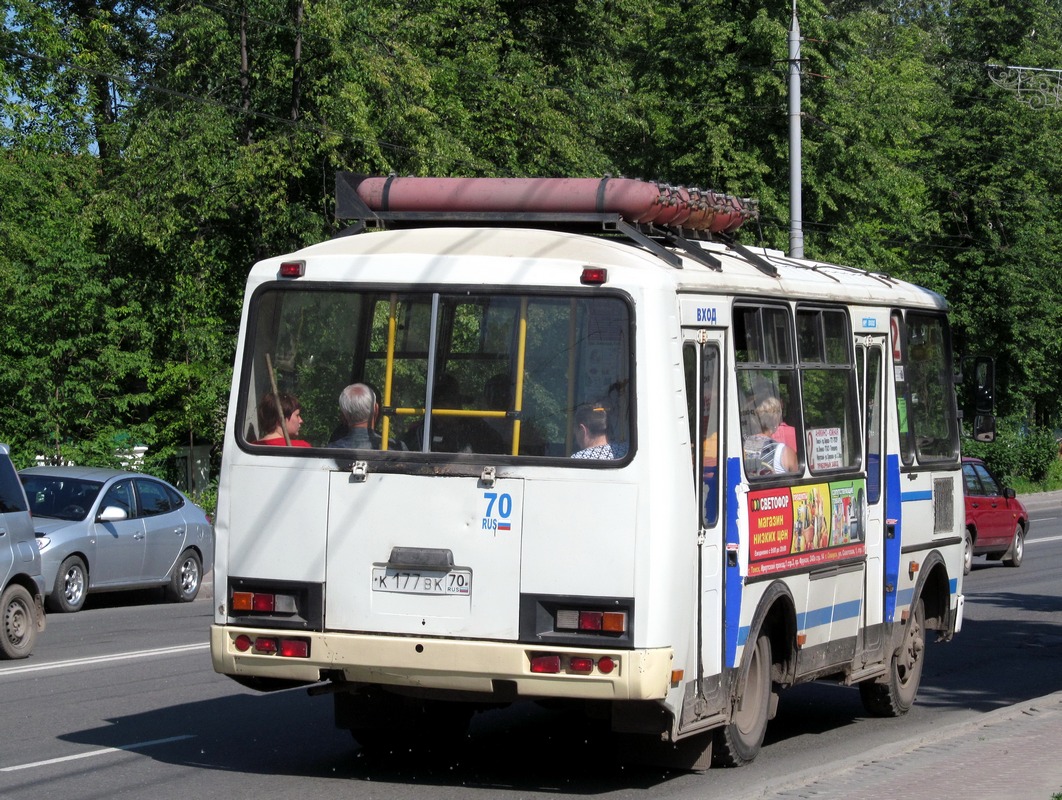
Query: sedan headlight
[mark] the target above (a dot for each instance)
(42, 542)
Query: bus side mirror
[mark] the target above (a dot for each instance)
(984, 387)
(984, 428)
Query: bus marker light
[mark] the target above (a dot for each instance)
(567, 619)
(292, 269)
(295, 648)
(594, 276)
(242, 643)
(545, 664)
(581, 664)
(590, 620)
(605, 665)
(676, 676)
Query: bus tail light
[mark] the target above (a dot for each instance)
(263, 602)
(591, 621)
(553, 664)
(546, 664)
(273, 645)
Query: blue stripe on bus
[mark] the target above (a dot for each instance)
(909, 497)
(735, 584)
(817, 617)
(906, 597)
(894, 517)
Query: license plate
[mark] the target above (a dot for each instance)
(407, 581)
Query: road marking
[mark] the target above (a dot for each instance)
(120, 749)
(1038, 539)
(80, 662)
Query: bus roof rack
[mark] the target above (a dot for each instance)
(645, 212)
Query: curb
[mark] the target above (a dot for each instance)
(844, 779)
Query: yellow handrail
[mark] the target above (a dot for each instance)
(521, 349)
(392, 328)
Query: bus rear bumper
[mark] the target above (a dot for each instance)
(426, 663)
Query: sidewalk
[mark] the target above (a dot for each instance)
(1010, 752)
(1042, 500)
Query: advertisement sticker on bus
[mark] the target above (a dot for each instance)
(805, 526)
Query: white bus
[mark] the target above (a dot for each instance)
(772, 494)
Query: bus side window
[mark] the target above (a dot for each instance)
(828, 387)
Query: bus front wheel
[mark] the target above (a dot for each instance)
(738, 742)
(894, 695)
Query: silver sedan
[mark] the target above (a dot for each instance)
(105, 530)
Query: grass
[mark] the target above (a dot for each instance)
(1051, 482)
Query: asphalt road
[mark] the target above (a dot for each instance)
(120, 701)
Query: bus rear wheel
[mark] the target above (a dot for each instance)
(739, 741)
(894, 696)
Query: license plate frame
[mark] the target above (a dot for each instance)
(455, 582)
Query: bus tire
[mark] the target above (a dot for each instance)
(739, 741)
(893, 695)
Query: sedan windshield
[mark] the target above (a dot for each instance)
(60, 497)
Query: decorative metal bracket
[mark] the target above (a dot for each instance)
(1037, 88)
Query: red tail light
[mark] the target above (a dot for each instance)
(546, 664)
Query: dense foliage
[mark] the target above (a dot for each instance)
(153, 150)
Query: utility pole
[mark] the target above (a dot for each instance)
(796, 209)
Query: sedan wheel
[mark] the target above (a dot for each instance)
(71, 586)
(967, 552)
(186, 579)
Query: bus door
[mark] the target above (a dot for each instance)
(430, 556)
(702, 356)
(870, 367)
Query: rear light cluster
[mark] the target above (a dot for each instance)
(264, 602)
(553, 664)
(273, 646)
(570, 619)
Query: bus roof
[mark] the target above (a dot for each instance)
(535, 256)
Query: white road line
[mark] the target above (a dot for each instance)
(92, 753)
(80, 662)
(1038, 539)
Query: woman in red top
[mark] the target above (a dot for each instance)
(272, 425)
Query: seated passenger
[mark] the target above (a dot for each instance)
(591, 434)
(279, 424)
(765, 455)
(358, 406)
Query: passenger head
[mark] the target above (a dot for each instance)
(594, 417)
(357, 403)
(269, 418)
(769, 413)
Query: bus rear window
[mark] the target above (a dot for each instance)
(504, 374)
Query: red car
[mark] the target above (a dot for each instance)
(996, 521)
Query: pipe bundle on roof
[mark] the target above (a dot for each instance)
(635, 201)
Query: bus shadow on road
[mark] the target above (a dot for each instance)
(522, 748)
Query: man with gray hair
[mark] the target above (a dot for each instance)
(357, 404)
